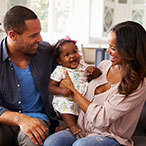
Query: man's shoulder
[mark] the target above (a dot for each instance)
(1, 44)
(46, 46)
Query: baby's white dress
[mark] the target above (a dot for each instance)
(64, 104)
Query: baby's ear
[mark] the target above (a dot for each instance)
(59, 61)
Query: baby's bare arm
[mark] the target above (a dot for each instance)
(92, 72)
(55, 89)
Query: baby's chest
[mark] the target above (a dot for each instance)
(78, 77)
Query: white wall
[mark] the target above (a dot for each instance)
(122, 13)
(3, 9)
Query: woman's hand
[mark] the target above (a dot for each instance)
(67, 82)
(65, 91)
(81, 101)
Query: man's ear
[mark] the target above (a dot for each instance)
(59, 61)
(12, 35)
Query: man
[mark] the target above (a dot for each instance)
(26, 116)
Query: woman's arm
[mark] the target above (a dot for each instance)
(82, 102)
(112, 109)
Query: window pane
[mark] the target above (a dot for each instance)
(12, 3)
(137, 15)
(138, 1)
(62, 8)
(108, 18)
(110, 0)
(41, 7)
(123, 1)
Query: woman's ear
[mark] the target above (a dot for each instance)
(59, 61)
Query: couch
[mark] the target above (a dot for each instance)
(139, 136)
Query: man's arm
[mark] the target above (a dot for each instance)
(30, 126)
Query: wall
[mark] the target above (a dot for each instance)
(3, 9)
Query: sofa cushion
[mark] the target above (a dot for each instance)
(141, 126)
(139, 140)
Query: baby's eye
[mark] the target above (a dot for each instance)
(75, 51)
(66, 55)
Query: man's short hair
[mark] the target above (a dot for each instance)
(15, 19)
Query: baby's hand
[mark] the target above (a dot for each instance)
(89, 70)
(75, 129)
(66, 91)
(92, 72)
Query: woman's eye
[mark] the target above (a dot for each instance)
(113, 48)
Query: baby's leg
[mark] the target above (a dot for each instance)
(71, 121)
(61, 127)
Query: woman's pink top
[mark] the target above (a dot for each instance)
(110, 113)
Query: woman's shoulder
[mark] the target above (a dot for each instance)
(104, 64)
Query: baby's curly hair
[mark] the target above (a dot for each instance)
(59, 44)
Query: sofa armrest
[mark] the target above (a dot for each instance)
(141, 126)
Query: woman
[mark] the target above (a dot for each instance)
(113, 101)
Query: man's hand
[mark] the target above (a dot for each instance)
(33, 128)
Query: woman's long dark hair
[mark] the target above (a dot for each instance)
(131, 46)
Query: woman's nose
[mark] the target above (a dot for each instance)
(108, 50)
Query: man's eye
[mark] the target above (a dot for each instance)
(34, 35)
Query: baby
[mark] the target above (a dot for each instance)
(68, 58)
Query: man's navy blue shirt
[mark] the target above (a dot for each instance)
(41, 66)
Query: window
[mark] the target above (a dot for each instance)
(12, 3)
(108, 18)
(54, 16)
(110, 0)
(41, 8)
(60, 12)
(123, 1)
(138, 15)
(138, 1)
